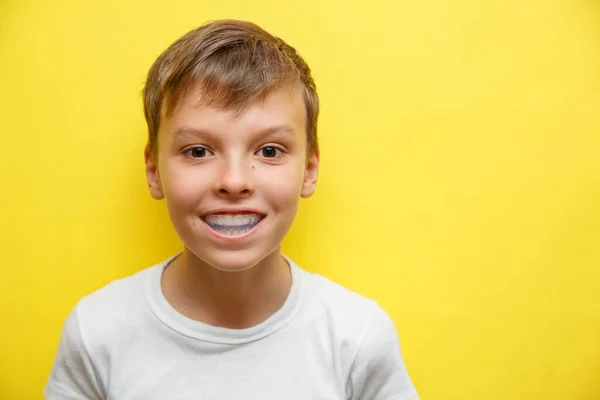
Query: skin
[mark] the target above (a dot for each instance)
(234, 283)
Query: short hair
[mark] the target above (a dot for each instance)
(231, 63)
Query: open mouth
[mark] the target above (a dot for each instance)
(232, 224)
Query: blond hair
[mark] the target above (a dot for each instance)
(231, 63)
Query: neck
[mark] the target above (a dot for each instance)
(234, 300)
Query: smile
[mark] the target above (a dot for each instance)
(232, 224)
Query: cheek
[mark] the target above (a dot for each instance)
(282, 185)
(183, 188)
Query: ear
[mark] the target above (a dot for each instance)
(152, 175)
(310, 175)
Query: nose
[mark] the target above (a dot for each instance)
(234, 180)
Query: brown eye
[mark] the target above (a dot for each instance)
(198, 152)
(269, 152)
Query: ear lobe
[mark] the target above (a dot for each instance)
(311, 174)
(153, 176)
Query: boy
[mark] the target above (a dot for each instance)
(232, 115)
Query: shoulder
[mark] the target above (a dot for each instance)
(366, 338)
(115, 300)
(339, 314)
(361, 318)
(99, 322)
(337, 300)
(378, 370)
(108, 313)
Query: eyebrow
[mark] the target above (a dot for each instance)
(191, 132)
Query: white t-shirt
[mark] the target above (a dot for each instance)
(126, 342)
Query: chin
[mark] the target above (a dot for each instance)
(234, 260)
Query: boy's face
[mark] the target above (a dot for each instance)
(232, 182)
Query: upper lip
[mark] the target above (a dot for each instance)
(233, 211)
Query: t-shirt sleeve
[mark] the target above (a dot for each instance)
(73, 375)
(378, 371)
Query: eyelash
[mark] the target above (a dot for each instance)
(277, 149)
(188, 152)
(278, 152)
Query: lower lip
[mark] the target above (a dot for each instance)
(236, 238)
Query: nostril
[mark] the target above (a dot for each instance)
(225, 191)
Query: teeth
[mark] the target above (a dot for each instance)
(232, 222)
(229, 231)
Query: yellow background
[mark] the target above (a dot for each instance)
(460, 180)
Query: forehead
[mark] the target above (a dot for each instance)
(281, 106)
